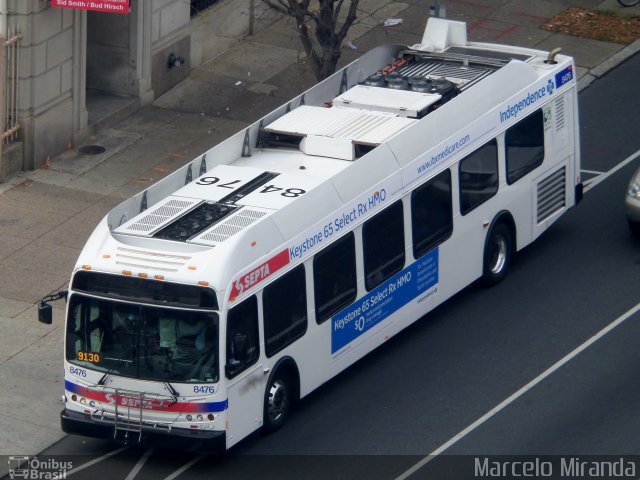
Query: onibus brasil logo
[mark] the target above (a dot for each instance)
(21, 467)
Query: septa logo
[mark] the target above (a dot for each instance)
(258, 274)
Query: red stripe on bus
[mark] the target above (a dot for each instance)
(258, 274)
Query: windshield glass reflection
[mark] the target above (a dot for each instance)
(139, 341)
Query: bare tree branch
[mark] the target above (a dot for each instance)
(351, 17)
(317, 29)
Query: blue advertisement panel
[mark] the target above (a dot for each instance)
(384, 300)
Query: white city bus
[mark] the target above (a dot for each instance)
(202, 308)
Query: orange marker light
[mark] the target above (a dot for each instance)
(159, 277)
(126, 272)
(86, 267)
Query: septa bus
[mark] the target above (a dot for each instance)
(202, 308)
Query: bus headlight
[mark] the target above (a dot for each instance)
(634, 190)
(199, 417)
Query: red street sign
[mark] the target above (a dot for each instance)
(110, 6)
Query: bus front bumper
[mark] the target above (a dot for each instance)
(178, 438)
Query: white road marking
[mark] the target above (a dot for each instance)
(607, 174)
(138, 466)
(185, 467)
(592, 172)
(509, 400)
(94, 461)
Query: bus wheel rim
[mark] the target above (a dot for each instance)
(499, 256)
(277, 403)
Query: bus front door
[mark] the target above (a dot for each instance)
(244, 394)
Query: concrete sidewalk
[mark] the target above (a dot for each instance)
(46, 215)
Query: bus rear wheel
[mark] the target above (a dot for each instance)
(277, 403)
(497, 254)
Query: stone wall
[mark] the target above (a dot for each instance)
(45, 80)
(170, 37)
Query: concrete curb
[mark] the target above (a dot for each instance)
(608, 65)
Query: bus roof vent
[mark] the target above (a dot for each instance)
(195, 221)
(157, 216)
(234, 224)
(462, 75)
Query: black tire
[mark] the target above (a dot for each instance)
(498, 250)
(278, 399)
(634, 228)
(628, 3)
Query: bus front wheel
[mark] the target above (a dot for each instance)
(277, 402)
(497, 254)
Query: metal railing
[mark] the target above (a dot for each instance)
(9, 77)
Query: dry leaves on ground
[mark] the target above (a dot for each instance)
(595, 25)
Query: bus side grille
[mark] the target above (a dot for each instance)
(551, 194)
(559, 114)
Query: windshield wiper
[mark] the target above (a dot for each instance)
(173, 392)
(105, 376)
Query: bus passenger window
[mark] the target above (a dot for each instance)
(285, 311)
(334, 277)
(383, 245)
(524, 143)
(478, 177)
(431, 213)
(243, 344)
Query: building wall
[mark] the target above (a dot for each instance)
(121, 54)
(46, 80)
(170, 34)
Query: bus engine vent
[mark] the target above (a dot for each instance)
(157, 216)
(551, 194)
(195, 221)
(234, 224)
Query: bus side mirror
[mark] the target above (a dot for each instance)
(45, 313)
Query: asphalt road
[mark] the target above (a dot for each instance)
(434, 380)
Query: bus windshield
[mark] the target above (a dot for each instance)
(142, 341)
